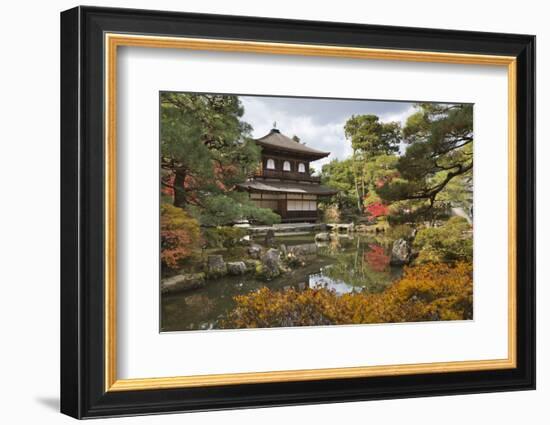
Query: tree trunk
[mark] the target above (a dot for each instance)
(355, 178)
(179, 189)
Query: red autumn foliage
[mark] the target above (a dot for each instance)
(167, 187)
(377, 258)
(377, 209)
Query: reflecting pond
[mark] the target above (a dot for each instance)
(345, 264)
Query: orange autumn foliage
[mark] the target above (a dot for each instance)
(425, 293)
(179, 235)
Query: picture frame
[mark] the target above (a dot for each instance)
(90, 40)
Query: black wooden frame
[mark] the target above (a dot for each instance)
(82, 203)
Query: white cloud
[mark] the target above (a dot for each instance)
(316, 131)
(400, 117)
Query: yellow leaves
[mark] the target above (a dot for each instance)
(425, 293)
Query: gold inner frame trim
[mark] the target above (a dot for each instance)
(113, 41)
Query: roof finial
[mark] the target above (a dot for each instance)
(275, 125)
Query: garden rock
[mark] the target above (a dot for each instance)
(216, 266)
(401, 252)
(182, 282)
(303, 250)
(255, 251)
(271, 265)
(236, 268)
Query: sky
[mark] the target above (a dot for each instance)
(317, 122)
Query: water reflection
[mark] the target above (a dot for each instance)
(322, 280)
(344, 265)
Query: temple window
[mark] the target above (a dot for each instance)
(301, 167)
(270, 164)
(286, 166)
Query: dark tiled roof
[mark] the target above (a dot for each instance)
(286, 187)
(276, 140)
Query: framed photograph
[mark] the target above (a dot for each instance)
(261, 212)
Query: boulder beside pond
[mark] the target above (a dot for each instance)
(270, 267)
(182, 282)
(236, 268)
(401, 253)
(303, 250)
(255, 251)
(216, 266)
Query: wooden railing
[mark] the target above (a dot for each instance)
(288, 175)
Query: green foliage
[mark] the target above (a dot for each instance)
(357, 180)
(448, 243)
(205, 151)
(370, 139)
(458, 192)
(223, 236)
(400, 231)
(371, 136)
(440, 151)
(224, 208)
(424, 293)
(381, 169)
(339, 175)
(265, 273)
(179, 235)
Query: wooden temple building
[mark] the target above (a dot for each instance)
(283, 182)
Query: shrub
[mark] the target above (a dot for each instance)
(376, 209)
(179, 236)
(291, 260)
(400, 231)
(331, 214)
(266, 308)
(448, 243)
(424, 293)
(223, 236)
